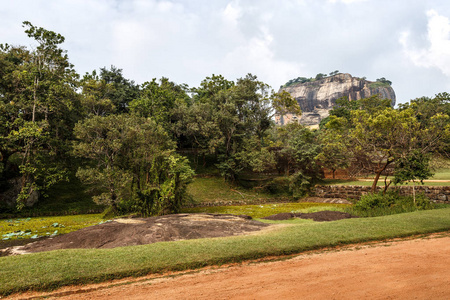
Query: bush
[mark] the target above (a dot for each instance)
(371, 205)
(278, 185)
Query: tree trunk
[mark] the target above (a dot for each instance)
(378, 174)
(375, 181)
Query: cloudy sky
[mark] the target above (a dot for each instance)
(405, 41)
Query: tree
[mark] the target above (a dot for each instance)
(415, 166)
(425, 109)
(135, 165)
(124, 90)
(333, 154)
(41, 106)
(95, 95)
(380, 137)
(320, 76)
(334, 73)
(160, 101)
(283, 103)
(296, 154)
(384, 81)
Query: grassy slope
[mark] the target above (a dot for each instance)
(213, 189)
(57, 268)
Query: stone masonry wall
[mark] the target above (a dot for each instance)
(438, 194)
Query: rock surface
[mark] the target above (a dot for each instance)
(318, 97)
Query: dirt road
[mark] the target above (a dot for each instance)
(411, 269)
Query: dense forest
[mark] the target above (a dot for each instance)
(139, 145)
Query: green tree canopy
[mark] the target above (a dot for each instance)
(134, 164)
(39, 108)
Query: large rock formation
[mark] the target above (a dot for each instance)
(317, 98)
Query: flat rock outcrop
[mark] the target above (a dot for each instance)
(316, 98)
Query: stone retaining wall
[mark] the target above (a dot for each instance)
(438, 194)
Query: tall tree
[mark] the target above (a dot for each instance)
(160, 101)
(135, 165)
(95, 95)
(42, 107)
(296, 156)
(124, 90)
(377, 138)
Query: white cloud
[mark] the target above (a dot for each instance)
(437, 54)
(257, 57)
(232, 13)
(275, 40)
(346, 1)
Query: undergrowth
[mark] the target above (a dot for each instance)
(389, 203)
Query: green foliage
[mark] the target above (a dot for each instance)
(333, 154)
(377, 136)
(135, 166)
(296, 157)
(38, 106)
(380, 83)
(161, 102)
(168, 192)
(123, 90)
(284, 103)
(384, 80)
(416, 166)
(279, 185)
(265, 210)
(96, 93)
(432, 112)
(388, 203)
(297, 80)
(230, 119)
(334, 73)
(320, 76)
(305, 79)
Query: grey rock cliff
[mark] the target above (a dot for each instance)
(318, 97)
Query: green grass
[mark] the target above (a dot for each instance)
(265, 210)
(11, 229)
(214, 189)
(56, 268)
(25, 228)
(441, 174)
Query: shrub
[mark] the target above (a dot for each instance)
(278, 185)
(391, 202)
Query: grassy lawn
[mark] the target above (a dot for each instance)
(441, 174)
(56, 268)
(213, 189)
(24, 228)
(265, 210)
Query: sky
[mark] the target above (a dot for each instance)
(404, 41)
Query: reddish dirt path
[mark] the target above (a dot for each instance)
(411, 269)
